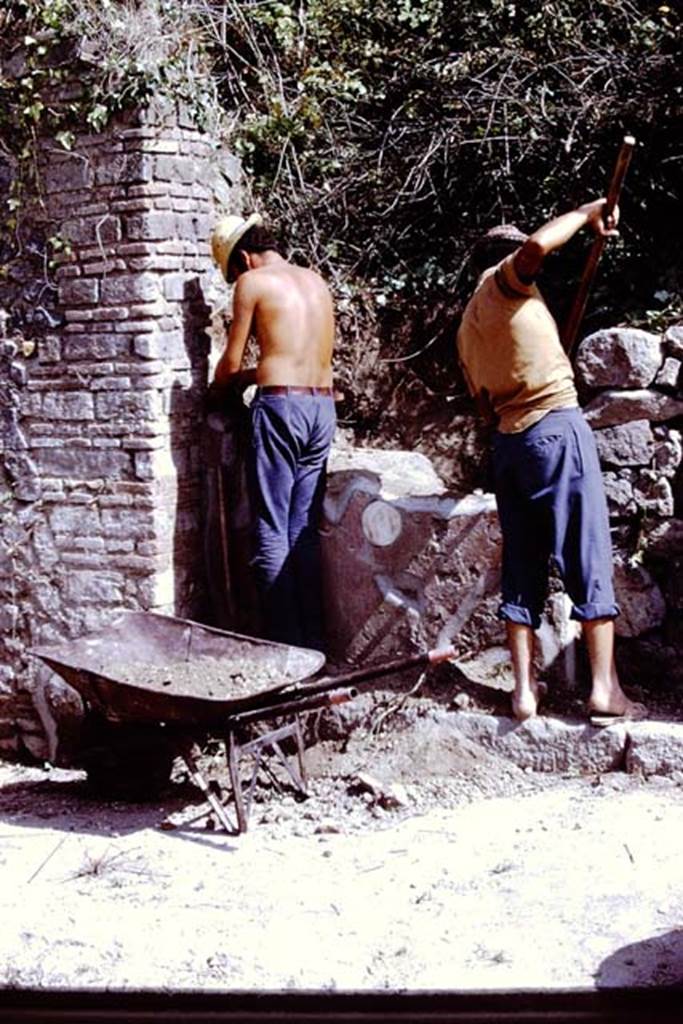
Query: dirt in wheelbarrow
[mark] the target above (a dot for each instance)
(203, 677)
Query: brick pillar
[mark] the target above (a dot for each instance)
(111, 406)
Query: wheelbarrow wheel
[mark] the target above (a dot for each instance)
(127, 762)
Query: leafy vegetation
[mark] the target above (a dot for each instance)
(382, 138)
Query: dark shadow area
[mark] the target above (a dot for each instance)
(619, 1006)
(185, 418)
(656, 961)
(74, 806)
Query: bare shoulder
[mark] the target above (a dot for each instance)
(312, 279)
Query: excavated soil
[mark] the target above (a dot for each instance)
(416, 862)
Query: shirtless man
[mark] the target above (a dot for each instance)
(548, 483)
(289, 310)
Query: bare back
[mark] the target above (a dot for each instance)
(294, 326)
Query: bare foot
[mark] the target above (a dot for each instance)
(525, 705)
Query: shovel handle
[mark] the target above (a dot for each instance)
(571, 328)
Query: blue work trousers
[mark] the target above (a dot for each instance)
(292, 434)
(552, 506)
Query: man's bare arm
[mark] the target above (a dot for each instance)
(557, 232)
(229, 366)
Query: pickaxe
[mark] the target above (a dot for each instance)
(571, 327)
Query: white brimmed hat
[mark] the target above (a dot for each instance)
(227, 234)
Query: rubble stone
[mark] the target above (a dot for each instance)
(545, 744)
(673, 341)
(619, 358)
(668, 453)
(619, 493)
(665, 539)
(670, 374)
(655, 748)
(613, 407)
(640, 600)
(652, 493)
(629, 444)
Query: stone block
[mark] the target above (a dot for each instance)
(150, 226)
(639, 598)
(79, 291)
(49, 350)
(176, 168)
(112, 384)
(67, 175)
(100, 231)
(94, 587)
(407, 564)
(81, 464)
(133, 406)
(76, 520)
(655, 748)
(127, 522)
(613, 407)
(545, 744)
(138, 327)
(130, 288)
(629, 444)
(620, 357)
(95, 346)
(69, 405)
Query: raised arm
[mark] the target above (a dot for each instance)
(557, 232)
(229, 366)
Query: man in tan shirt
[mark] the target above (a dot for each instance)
(289, 310)
(548, 482)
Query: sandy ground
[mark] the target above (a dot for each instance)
(486, 878)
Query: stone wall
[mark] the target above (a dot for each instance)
(101, 417)
(409, 565)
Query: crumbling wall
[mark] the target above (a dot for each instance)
(101, 416)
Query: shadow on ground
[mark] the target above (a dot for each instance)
(655, 961)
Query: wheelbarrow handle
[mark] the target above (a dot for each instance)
(441, 654)
(360, 676)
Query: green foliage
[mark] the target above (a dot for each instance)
(382, 138)
(388, 136)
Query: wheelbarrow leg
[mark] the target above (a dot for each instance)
(233, 767)
(186, 750)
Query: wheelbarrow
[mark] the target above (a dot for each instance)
(155, 686)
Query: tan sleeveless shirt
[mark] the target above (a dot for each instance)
(510, 350)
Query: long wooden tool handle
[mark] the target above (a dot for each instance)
(571, 328)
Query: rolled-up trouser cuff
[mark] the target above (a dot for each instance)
(589, 612)
(516, 613)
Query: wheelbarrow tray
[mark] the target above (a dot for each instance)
(147, 667)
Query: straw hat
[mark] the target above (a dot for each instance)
(505, 233)
(227, 234)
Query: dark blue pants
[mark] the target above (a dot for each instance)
(292, 435)
(551, 504)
